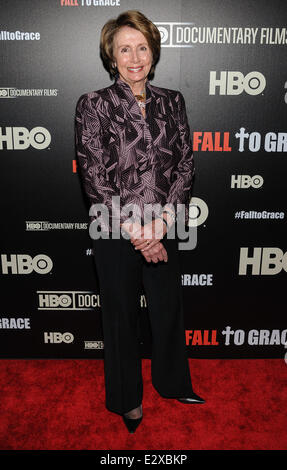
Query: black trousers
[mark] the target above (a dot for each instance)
(123, 274)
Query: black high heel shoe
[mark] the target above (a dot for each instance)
(132, 423)
(192, 399)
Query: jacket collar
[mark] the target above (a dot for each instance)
(127, 98)
(126, 88)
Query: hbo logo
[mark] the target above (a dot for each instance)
(55, 300)
(234, 83)
(55, 337)
(19, 138)
(4, 92)
(263, 261)
(246, 181)
(25, 264)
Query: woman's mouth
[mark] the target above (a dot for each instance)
(135, 69)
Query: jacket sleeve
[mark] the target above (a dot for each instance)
(180, 190)
(95, 165)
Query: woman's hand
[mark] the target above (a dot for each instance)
(152, 233)
(133, 229)
(153, 252)
(156, 253)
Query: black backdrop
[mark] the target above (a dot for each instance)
(228, 58)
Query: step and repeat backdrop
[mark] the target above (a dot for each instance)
(228, 58)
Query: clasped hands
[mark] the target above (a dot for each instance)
(147, 239)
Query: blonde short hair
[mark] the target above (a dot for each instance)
(134, 19)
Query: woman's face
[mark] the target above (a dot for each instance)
(132, 55)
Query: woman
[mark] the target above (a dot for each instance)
(133, 146)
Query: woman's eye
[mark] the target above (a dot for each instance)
(143, 48)
(124, 49)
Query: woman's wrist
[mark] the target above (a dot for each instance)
(168, 217)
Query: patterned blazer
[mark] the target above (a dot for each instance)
(144, 161)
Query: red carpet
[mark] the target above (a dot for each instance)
(59, 405)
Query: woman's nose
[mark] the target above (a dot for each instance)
(135, 57)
